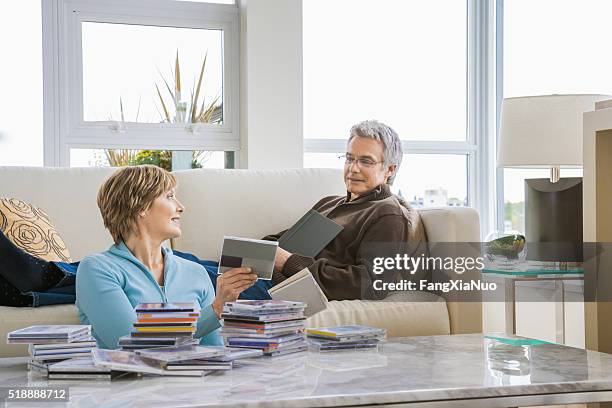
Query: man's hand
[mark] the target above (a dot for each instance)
(281, 258)
(229, 286)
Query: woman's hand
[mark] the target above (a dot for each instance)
(230, 284)
(281, 258)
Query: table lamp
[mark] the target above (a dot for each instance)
(546, 132)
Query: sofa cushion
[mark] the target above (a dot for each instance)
(418, 314)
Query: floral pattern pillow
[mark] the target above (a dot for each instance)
(29, 228)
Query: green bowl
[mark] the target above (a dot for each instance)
(510, 246)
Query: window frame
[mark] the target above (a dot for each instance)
(499, 91)
(479, 146)
(64, 127)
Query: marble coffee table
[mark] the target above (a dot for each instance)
(430, 371)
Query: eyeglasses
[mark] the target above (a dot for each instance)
(362, 162)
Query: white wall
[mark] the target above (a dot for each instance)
(535, 313)
(21, 141)
(271, 84)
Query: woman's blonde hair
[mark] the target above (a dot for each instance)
(128, 192)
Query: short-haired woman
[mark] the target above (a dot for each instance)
(140, 209)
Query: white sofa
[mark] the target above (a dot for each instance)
(250, 203)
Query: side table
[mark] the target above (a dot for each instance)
(509, 278)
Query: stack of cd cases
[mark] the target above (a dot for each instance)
(274, 326)
(345, 338)
(49, 344)
(80, 369)
(58, 351)
(162, 325)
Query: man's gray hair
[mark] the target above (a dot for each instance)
(392, 145)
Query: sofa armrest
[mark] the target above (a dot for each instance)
(465, 317)
(455, 231)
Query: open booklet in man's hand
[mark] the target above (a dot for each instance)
(304, 288)
(309, 235)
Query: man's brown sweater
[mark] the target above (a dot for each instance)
(341, 268)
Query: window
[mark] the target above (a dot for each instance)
(439, 188)
(160, 77)
(389, 60)
(413, 67)
(21, 74)
(542, 56)
(161, 158)
(124, 66)
(433, 180)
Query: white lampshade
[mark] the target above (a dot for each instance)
(543, 131)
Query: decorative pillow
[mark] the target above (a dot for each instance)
(29, 228)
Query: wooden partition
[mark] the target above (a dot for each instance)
(597, 195)
(597, 207)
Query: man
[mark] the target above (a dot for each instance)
(369, 213)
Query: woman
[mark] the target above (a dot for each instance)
(140, 209)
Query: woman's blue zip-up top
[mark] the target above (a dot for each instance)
(111, 284)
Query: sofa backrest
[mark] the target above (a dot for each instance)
(248, 203)
(255, 203)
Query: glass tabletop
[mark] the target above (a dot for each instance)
(535, 272)
(447, 369)
(452, 369)
(532, 269)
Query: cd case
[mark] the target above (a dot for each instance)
(51, 331)
(253, 253)
(179, 353)
(167, 307)
(327, 346)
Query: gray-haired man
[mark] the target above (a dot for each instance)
(369, 213)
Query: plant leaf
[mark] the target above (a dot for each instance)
(138, 111)
(177, 77)
(191, 108)
(157, 109)
(163, 104)
(207, 114)
(197, 93)
(121, 109)
(168, 88)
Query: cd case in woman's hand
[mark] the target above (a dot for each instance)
(245, 252)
